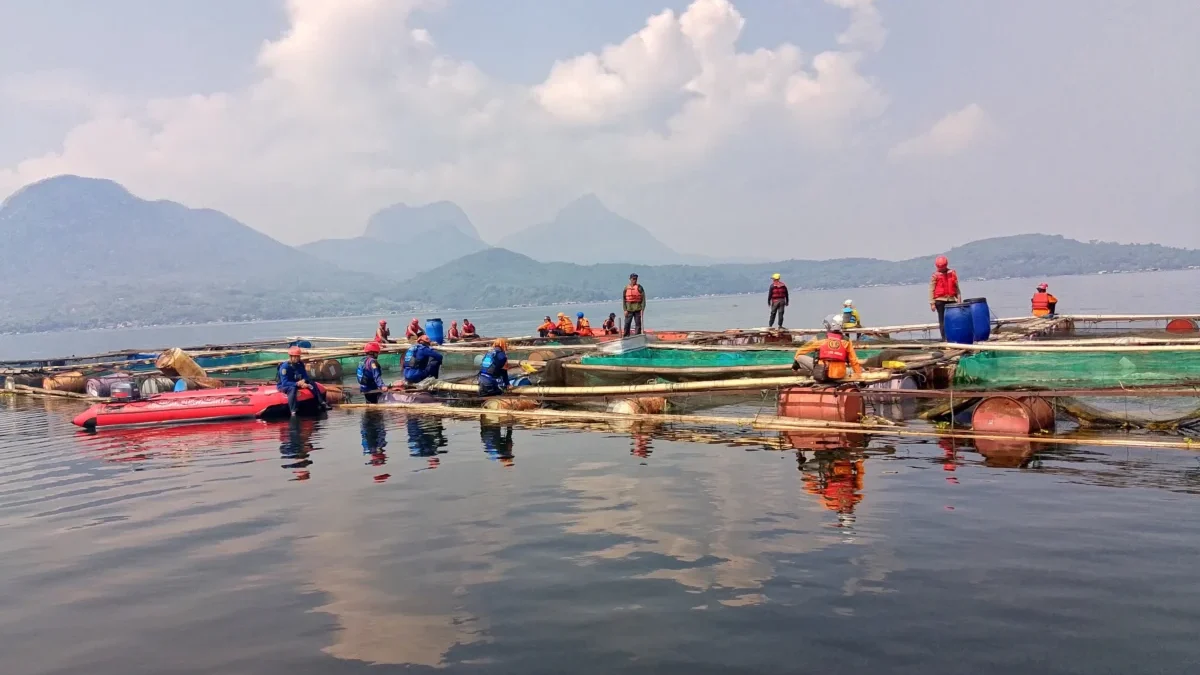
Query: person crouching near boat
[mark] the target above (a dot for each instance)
(294, 378)
(610, 324)
(468, 332)
(421, 362)
(493, 370)
(370, 375)
(834, 353)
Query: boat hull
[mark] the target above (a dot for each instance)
(195, 406)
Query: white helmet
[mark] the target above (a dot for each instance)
(848, 303)
(833, 323)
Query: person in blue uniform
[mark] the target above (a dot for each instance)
(421, 362)
(294, 378)
(493, 371)
(370, 375)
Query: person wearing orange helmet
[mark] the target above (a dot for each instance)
(383, 334)
(1043, 302)
(294, 378)
(493, 370)
(943, 290)
(453, 335)
(421, 362)
(370, 375)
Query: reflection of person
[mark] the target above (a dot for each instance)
(837, 481)
(295, 446)
(374, 441)
(425, 436)
(497, 443)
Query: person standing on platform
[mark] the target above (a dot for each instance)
(943, 290)
(635, 305)
(777, 300)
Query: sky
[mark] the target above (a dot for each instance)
(764, 128)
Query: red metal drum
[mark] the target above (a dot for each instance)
(827, 404)
(1182, 326)
(1014, 415)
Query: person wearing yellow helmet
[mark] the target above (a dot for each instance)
(777, 300)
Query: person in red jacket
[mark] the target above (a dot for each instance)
(454, 335)
(777, 300)
(383, 335)
(943, 290)
(468, 331)
(1043, 302)
(414, 330)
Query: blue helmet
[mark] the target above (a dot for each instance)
(579, 315)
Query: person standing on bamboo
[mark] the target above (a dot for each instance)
(943, 290)
(635, 305)
(777, 300)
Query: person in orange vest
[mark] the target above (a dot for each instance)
(610, 324)
(547, 328)
(834, 352)
(943, 290)
(414, 330)
(777, 300)
(453, 335)
(1043, 302)
(382, 334)
(564, 327)
(583, 327)
(635, 304)
(468, 330)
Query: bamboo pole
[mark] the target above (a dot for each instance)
(661, 388)
(38, 391)
(652, 370)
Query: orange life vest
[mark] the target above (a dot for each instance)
(945, 284)
(1041, 302)
(547, 326)
(835, 350)
(633, 294)
(566, 327)
(584, 327)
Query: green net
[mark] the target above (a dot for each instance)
(1078, 370)
(686, 358)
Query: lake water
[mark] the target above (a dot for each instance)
(380, 542)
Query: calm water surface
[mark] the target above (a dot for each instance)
(375, 542)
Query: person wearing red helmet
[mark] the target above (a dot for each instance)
(370, 375)
(383, 334)
(943, 290)
(294, 378)
(468, 330)
(1043, 302)
(414, 329)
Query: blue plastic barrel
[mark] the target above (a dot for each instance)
(303, 344)
(433, 328)
(181, 385)
(981, 318)
(959, 324)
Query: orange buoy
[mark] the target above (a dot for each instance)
(1181, 326)
(828, 404)
(1016, 415)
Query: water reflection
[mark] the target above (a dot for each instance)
(426, 438)
(295, 446)
(836, 478)
(497, 442)
(373, 431)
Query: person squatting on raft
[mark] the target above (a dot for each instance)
(421, 362)
(454, 335)
(634, 304)
(468, 330)
(414, 329)
(777, 300)
(383, 335)
(610, 324)
(583, 327)
(370, 375)
(294, 378)
(943, 290)
(833, 354)
(493, 370)
(1043, 302)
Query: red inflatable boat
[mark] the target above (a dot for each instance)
(202, 405)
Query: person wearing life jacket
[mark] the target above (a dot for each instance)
(468, 331)
(583, 327)
(834, 353)
(493, 370)
(294, 378)
(421, 362)
(1043, 302)
(370, 375)
(610, 324)
(777, 300)
(564, 327)
(383, 334)
(497, 443)
(547, 328)
(414, 329)
(635, 305)
(454, 335)
(943, 290)
(850, 318)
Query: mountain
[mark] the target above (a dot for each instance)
(437, 233)
(84, 252)
(586, 232)
(497, 278)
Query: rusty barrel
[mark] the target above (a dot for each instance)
(73, 382)
(1182, 326)
(327, 370)
(1013, 415)
(827, 404)
(643, 405)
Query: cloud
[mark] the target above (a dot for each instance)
(354, 107)
(952, 135)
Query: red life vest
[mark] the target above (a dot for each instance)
(1041, 301)
(468, 329)
(778, 291)
(633, 294)
(945, 284)
(835, 350)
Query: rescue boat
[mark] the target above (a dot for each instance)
(203, 405)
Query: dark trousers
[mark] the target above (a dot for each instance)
(941, 310)
(294, 393)
(489, 387)
(414, 376)
(373, 398)
(632, 318)
(777, 307)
